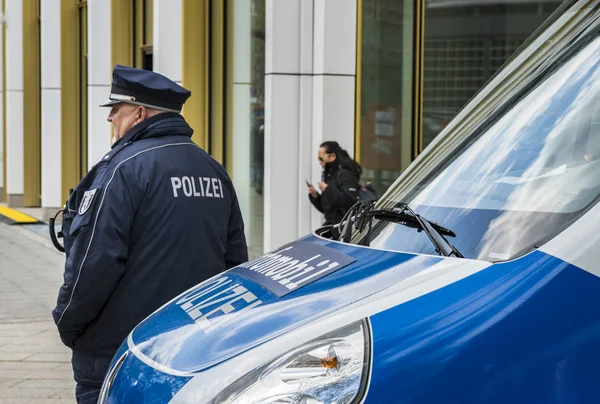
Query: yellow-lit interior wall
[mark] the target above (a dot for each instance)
(195, 68)
(3, 196)
(32, 176)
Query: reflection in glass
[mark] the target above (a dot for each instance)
(257, 125)
(386, 89)
(513, 186)
(466, 42)
(247, 116)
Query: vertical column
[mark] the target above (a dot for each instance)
(335, 72)
(99, 77)
(307, 216)
(14, 103)
(282, 122)
(167, 38)
(311, 74)
(73, 96)
(241, 111)
(195, 68)
(31, 104)
(2, 96)
(413, 71)
(51, 103)
(334, 68)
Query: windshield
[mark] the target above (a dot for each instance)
(522, 179)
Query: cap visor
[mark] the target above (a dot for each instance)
(110, 103)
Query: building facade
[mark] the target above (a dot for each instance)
(270, 80)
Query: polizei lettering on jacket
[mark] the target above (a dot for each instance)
(204, 187)
(217, 302)
(292, 267)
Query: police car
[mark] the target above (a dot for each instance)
(475, 278)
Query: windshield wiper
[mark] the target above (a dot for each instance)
(434, 231)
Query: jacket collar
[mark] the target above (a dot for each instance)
(331, 168)
(164, 124)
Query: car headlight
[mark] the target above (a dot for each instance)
(333, 368)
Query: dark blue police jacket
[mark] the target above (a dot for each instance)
(156, 216)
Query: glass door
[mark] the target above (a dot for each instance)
(386, 88)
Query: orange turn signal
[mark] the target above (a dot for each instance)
(329, 362)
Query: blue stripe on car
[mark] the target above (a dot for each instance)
(518, 332)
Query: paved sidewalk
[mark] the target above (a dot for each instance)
(34, 365)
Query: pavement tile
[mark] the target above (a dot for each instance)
(16, 332)
(50, 333)
(35, 367)
(8, 383)
(46, 348)
(46, 383)
(39, 401)
(20, 365)
(49, 357)
(35, 374)
(64, 366)
(29, 339)
(30, 326)
(12, 294)
(66, 394)
(28, 393)
(15, 356)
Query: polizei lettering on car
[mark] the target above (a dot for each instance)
(209, 305)
(293, 266)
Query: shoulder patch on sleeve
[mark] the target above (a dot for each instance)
(86, 201)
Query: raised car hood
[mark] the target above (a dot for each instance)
(265, 298)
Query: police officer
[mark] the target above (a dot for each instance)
(154, 217)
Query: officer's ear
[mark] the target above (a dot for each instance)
(142, 113)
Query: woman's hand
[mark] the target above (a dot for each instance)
(322, 186)
(313, 192)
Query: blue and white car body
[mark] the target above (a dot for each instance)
(384, 318)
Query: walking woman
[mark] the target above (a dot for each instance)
(339, 185)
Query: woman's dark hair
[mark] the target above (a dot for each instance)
(342, 156)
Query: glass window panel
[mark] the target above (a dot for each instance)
(386, 103)
(521, 176)
(247, 115)
(466, 42)
(143, 28)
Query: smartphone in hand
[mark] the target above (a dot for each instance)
(308, 184)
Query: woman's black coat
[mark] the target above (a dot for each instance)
(339, 196)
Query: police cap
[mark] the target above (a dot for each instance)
(147, 88)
